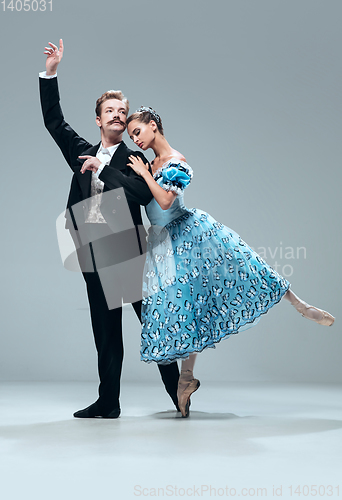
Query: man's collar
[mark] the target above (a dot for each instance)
(110, 149)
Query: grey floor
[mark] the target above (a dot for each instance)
(249, 440)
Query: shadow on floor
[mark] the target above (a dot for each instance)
(202, 433)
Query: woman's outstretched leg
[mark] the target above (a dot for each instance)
(187, 384)
(309, 312)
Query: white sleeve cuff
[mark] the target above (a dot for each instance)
(44, 75)
(99, 170)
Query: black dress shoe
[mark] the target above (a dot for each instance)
(93, 411)
(113, 414)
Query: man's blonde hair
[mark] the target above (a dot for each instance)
(111, 94)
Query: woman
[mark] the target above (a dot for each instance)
(202, 282)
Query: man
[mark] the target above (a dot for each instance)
(112, 172)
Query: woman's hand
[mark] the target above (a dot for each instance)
(137, 165)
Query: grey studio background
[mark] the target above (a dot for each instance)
(249, 92)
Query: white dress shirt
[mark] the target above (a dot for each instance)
(96, 190)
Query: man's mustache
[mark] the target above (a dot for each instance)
(117, 121)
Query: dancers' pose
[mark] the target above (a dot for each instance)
(202, 282)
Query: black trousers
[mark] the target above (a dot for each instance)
(107, 329)
(102, 252)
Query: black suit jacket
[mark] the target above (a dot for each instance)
(117, 174)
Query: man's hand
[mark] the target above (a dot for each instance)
(92, 163)
(54, 57)
(137, 165)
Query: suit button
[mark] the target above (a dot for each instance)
(114, 211)
(119, 197)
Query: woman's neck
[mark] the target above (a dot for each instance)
(161, 148)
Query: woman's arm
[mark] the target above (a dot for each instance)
(163, 198)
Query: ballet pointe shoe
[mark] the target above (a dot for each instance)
(327, 319)
(184, 396)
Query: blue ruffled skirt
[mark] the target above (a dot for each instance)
(201, 284)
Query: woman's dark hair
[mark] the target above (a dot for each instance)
(145, 115)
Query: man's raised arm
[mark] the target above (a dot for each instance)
(69, 142)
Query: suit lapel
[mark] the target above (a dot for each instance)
(84, 180)
(119, 158)
(119, 161)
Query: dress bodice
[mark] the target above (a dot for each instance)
(174, 176)
(159, 217)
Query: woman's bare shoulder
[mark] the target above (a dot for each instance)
(178, 155)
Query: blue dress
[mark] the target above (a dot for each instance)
(201, 281)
